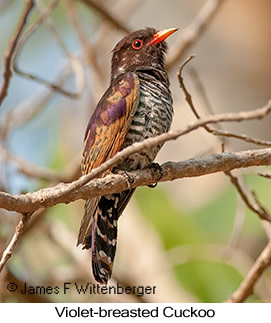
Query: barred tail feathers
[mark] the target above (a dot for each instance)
(104, 242)
(102, 238)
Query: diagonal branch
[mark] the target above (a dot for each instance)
(252, 205)
(247, 286)
(215, 132)
(194, 167)
(74, 63)
(65, 193)
(20, 228)
(12, 47)
(172, 135)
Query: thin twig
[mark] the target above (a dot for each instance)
(247, 286)
(215, 132)
(200, 90)
(190, 34)
(14, 240)
(188, 96)
(255, 205)
(31, 107)
(245, 138)
(12, 47)
(40, 20)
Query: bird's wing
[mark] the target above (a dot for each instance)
(106, 133)
(109, 124)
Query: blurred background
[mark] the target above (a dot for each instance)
(192, 238)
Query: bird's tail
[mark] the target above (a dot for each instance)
(101, 236)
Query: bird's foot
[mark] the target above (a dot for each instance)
(157, 168)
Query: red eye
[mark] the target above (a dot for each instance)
(137, 44)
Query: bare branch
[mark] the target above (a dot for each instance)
(214, 132)
(245, 138)
(74, 64)
(14, 241)
(252, 202)
(66, 193)
(172, 135)
(12, 47)
(252, 205)
(247, 286)
(31, 107)
(7, 201)
(190, 34)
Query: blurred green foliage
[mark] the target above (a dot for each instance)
(209, 280)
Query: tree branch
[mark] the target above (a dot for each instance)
(247, 286)
(20, 228)
(66, 193)
(74, 63)
(253, 205)
(11, 48)
(172, 135)
(215, 132)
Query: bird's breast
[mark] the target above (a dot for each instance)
(152, 118)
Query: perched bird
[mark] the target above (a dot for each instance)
(137, 105)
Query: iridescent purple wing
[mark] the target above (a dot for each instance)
(109, 124)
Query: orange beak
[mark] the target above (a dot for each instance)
(162, 35)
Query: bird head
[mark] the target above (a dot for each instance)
(141, 50)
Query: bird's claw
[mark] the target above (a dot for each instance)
(157, 168)
(152, 185)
